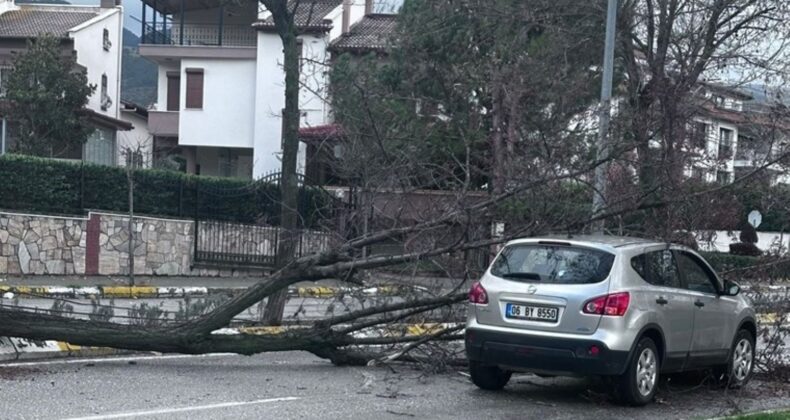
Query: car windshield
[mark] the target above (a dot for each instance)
(552, 264)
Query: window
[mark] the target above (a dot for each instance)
(173, 90)
(299, 52)
(194, 88)
(553, 264)
(698, 173)
(718, 100)
(698, 278)
(725, 143)
(657, 268)
(105, 99)
(100, 147)
(723, 177)
(699, 135)
(4, 72)
(106, 40)
(134, 158)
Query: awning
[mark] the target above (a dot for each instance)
(107, 121)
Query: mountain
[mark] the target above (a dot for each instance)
(763, 94)
(138, 81)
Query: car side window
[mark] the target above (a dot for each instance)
(657, 268)
(697, 277)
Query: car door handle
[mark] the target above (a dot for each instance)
(661, 301)
(699, 304)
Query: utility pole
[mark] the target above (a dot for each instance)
(599, 195)
(130, 167)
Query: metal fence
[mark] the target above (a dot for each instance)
(225, 243)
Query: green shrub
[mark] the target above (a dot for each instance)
(745, 248)
(38, 185)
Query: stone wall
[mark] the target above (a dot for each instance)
(162, 247)
(99, 245)
(42, 244)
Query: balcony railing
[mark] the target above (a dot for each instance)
(198, 34)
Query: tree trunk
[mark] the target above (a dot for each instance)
(498, 172)
(289, 188)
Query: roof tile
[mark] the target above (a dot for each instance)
(309, 15)
(30, 22)
(372, 33)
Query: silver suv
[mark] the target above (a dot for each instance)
(624, 308)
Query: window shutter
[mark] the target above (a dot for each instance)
(194, 88)
(173, 90)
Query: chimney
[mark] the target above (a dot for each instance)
(346, 15)
(368, 7)
(6, 5)
(109, 4)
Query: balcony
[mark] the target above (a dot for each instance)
(198, 34)
(163, 123)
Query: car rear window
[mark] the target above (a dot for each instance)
(552, 264)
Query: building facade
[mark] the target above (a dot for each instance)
(94, 36)
(221, 82)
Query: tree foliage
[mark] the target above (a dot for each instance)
(487, 91)
(47, 91)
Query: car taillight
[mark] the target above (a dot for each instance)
(477, 294)
(615, 304)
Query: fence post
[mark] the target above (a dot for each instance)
(180, 197)
(197, 221)
(82, 187)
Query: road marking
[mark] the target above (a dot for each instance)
(112, 359)
(183, 409)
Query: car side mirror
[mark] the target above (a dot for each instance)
(731, 288)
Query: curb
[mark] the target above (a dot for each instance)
(319, 292)
(753, 413)
(16, 349)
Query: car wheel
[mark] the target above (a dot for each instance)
(638, 384)
(489, 378)
(741, 362)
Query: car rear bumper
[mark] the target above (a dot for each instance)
(530, 353)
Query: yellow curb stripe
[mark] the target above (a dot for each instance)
(63, 346)
(125, 291)
(423, 329)
(317, 291)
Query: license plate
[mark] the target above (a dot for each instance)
(533, 313)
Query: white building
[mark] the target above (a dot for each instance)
(221, 81)
(714, 133)
(136, 143)
(93, 34)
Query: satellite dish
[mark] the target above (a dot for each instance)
(755, 218)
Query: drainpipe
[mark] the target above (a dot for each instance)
(2, 137)
(346, 24)
(368, 7)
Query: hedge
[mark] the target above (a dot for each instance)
(39, 185)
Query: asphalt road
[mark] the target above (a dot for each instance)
(300, 386)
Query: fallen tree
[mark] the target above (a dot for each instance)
(543, 187)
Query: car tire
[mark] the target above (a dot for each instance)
(638, 385)
(490, 378)
(740, 365)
